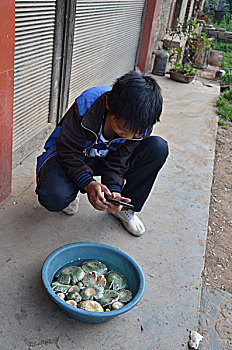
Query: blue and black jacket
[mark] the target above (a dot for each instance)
(79, 130)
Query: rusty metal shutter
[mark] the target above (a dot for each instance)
(106, 39)
(34, 31)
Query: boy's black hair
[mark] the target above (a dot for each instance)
(136, 99)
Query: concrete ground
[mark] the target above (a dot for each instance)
(171, 253)
(216, 320)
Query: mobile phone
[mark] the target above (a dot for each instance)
(125, 205)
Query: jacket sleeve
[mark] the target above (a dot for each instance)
(70, 147)
(116, 164)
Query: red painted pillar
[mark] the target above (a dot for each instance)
(7, 43)
(148, 35)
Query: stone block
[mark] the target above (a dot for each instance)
(211, 33)
(215, 58)
(222, 35)
(206, 75)
(171, 44)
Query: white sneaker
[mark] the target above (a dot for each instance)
(73, 207)
(131, 222)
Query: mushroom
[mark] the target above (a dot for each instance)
(90, 305)
(91, 292)
(74, 296)
(70, 274)
(72, 303)
(115, 280)
(92, 287)
(74, 288)
(94, 265)
(108, 297)
(59, 287)
(61, 296)
(117, 305)
(124, 295)
(101, 281)
(90, 278)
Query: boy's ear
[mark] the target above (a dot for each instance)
(107, 104)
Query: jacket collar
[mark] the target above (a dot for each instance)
(93, 119)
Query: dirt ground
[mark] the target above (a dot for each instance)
(218, 258)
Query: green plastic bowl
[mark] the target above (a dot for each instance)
(115, 259)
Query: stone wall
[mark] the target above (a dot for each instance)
(162, 22)
(220, 34)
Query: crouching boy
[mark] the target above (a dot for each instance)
(106, 132)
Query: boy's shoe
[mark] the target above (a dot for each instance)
(131, 222)
(73, 207)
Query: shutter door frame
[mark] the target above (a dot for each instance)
(34, 33)
(126, 5)
(62, 53)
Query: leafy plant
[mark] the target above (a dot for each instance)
(225, 23)
(227, 62)
(186, 70)
(220, 46)
(224, 104)
(221, 122)
(211, 6)
(181, 58)
(227, 66)
(219, 142)
(226, 79)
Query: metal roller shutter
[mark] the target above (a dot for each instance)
(106, 39)
(34, 32)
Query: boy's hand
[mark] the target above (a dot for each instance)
(113, 208)
(95, 192)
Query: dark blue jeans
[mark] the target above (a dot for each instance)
(56, 191)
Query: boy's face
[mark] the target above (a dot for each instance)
(119, 128)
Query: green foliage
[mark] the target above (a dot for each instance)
(227, 95)
(227, 62)
(188, 30)
(227, 66)
(194, 41)
(219, 142)
(220, 46)
(186, 70)
(225, 23)
(224, 104)
(226, 79)
(221, 122)
(210, 6)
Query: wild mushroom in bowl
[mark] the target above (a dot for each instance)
(92, 282)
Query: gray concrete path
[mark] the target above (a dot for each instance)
(216, 320)
(171, 253)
